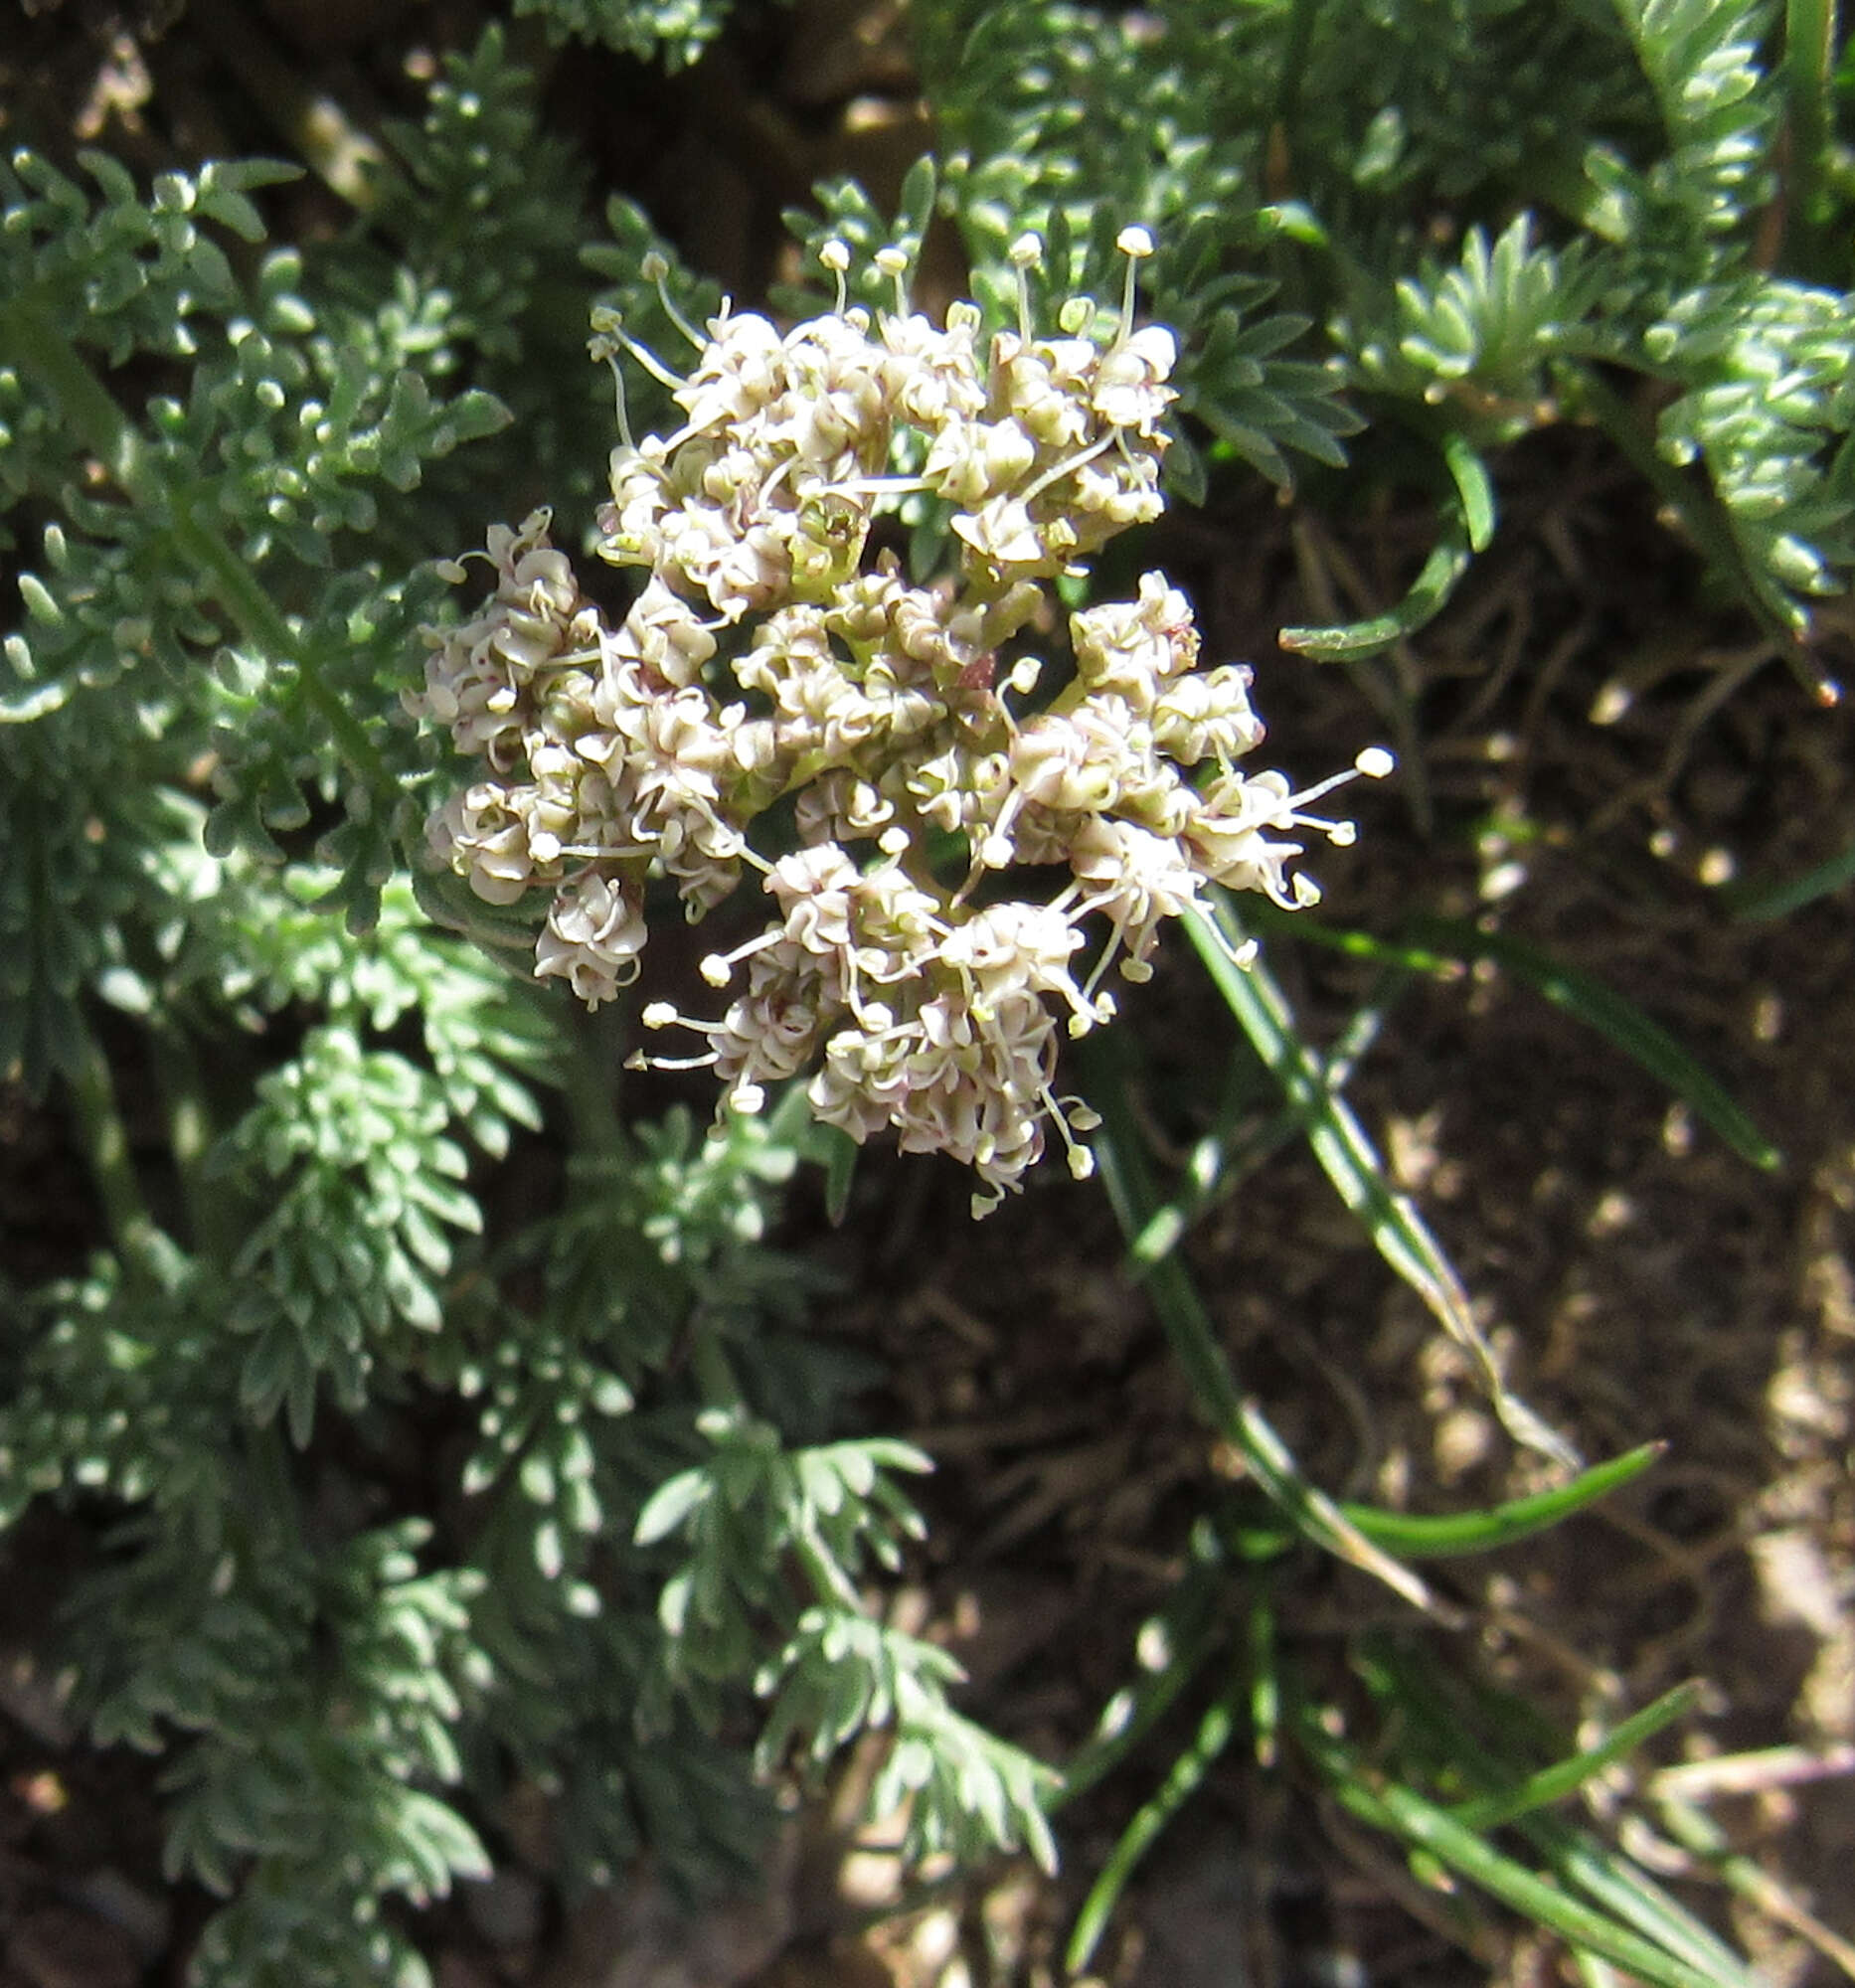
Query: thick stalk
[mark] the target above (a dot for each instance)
(105, 1143)
(593, 1048)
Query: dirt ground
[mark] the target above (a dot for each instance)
(1599, 757)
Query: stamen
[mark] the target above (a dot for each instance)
(880, 486)
(1372, 764)
(456, 571)
(1024, 254)
(1136, 244)
(895, 264)
(995, 850)
(663, 1015)
(1117, 938)
(611, 325)
(654, 268)
(603, 346)
(1082, 1160)
(637, 1060)
(1242, 957)
(1058, 470)
(836, 257)
(717, 968)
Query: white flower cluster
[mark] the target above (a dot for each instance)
(769, 654)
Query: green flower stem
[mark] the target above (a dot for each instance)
(105, 1140)
(1233, 1414)
(212, 1215)
(31, 341)
(273, 1492)
(1809, 61)
(591, 1049)
(1187, 1772)
(715, 1373)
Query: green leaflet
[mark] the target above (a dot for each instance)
(1428, 595)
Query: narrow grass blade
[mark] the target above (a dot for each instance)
(1566, 1777)
(1776, 901)
(1190, 1622)
(1237, 1143)
(1579, 1860)
(1400, 1811)
(1269, 918)
(1188, 1771)
(1700, 1834)
(1420, 1538)
(1430, 592)
(1348, 1158)
(1474, 486)
(1264, 1681)
(1617, 1020)
(1451, 1534)
(1809, 133)
(1440, 947)
(1238, 1418)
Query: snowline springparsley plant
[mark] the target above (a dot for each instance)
(916, 970)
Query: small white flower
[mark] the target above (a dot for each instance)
(1129, 385)
(592, 937)
(770, 657)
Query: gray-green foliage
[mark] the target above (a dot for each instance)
(1608, 176)
(223, 464)
(676, 30)
(647, 1555)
